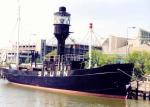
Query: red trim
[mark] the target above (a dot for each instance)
(70, 92)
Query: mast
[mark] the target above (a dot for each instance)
(90, 43)
(18, 34)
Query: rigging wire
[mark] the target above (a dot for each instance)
(95, 39)
(85, 37)
(72, 40)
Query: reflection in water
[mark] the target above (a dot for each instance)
(137, 103)
(15, 96)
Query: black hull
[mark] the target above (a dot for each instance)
(103, 80)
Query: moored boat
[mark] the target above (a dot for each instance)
(103, 80)
(67, 72)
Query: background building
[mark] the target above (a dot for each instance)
(139, 41)
(114, 45)
(28, 52)
(25, 52)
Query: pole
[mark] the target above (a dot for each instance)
(127, 47)
(137, 88)
(127, 43)
(17, 56)
(90, 45)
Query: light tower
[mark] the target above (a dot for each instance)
(61, 28)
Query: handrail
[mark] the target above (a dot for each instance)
(124, 72)
(71, 57)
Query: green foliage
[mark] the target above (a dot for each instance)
(52, 53)
(27, 60)
(38, 60)
(100, 59)
(147, 67)
(141, 60)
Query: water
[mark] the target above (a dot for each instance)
(16, 96)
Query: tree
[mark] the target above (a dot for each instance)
(100, 59)
(147, 67)
(52, 53)
(141, 60)
(38, 60)
(27, 60)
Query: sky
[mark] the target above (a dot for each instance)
(109, 17)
